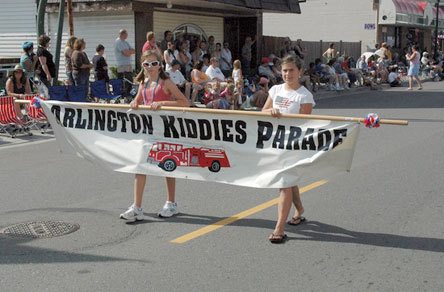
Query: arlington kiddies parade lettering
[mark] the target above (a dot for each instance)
(269, 135)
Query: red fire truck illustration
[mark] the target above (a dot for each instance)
(169, 155)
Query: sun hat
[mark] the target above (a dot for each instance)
(18, 67)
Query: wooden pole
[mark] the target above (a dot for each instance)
(59, 39)
(70, 17)
(233, 112)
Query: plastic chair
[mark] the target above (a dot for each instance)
(37, 117)
(99, 90)
(77, 93)
(9, 122)
(58, 93)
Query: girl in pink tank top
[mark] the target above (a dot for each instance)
(155, 94)
(155, 90)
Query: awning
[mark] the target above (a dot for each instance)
(440, 13)
(414, 13)
(412, 7)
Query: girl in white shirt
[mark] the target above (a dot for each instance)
(237, 71)
(290, 98)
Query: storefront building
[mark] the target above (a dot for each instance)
(225, 20)
(403, 22)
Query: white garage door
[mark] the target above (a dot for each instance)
(17, 25)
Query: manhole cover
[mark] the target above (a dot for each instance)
(40, 229)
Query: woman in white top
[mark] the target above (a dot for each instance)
(168, 55)
(289, 98)
(413, 72)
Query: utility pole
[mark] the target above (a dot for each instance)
(41, 17)
(70, 17)
(59, 38)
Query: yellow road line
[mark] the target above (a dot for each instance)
(241, 215)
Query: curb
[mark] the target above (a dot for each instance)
(325, 94)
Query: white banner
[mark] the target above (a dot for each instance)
(239, 149)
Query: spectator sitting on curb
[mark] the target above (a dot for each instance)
(18, 86)
(315, 79)
(178, 79)
(393, 77)
(265, 71)
(214, 71)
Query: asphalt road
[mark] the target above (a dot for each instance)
(377, 228)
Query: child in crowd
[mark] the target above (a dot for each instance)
(213, 98)
(229, 94)
(239, 93)
(237, 71)
(393, 78)
(100, 65)
(314, 77)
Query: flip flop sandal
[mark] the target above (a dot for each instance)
(275, 238)
(296, 221)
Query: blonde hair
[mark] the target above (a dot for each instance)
(149, 35)
(70, 42)
(236, 64)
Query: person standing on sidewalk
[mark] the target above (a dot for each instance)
(45, 65)
(156, 90)
(288, 98)
(123, 52)
(414, 64)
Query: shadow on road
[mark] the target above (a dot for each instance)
(18, 250)
(385, 99)
(318, 231)
(15, 251)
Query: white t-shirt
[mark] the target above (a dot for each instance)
(289, 101)
(176, 77)
(392, 77)
(213, 73)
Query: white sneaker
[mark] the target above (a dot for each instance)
(133, 214)
(168, 210)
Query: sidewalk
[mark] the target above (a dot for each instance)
(324, 93)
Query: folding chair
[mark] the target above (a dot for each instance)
(77, 93)
(99, 90)
(116, 85)
(9, 121)
(37, 117)
(58, 93)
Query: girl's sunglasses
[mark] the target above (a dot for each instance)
(150, 64)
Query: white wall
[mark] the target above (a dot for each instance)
(327, 20)
(17, 25)
(94, 29)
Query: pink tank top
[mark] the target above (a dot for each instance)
(155, 94)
